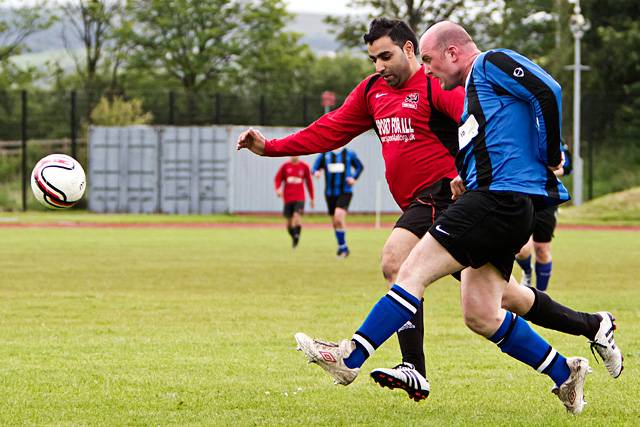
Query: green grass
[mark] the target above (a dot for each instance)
(195, 327)
(621, 208)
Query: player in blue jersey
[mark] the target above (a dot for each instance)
(509, 146)
(540, 240)
(341, 170)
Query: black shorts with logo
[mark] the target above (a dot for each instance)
(545, 224)
(342, 201)
(425, 208)
(486, 227)
(292, 207)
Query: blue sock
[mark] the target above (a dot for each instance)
(525, 264)
(543, 275)
(341, 238)
(516, 338)
(385, 318)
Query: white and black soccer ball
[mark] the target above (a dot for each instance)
(58, 181)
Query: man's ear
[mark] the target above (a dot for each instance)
(408, 48)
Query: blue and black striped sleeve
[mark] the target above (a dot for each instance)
(318, 164)
(525, 80)
(357, 165)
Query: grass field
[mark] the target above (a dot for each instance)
(195, 327)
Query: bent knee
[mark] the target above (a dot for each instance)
(390, 266)
(482, 323)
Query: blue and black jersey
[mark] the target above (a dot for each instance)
(338, 166)
(511, 128)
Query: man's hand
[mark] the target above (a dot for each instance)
(457, 187)
(313, 203)
(279, 193)
(350, 180)
(317, 174)
(555, 168)
(252, 140)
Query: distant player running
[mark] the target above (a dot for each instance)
(540, 240)
(341, 170)
(289, 182)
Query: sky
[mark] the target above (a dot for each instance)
(333, 7)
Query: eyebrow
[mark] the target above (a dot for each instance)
(386, 52)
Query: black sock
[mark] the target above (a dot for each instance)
(411, 338)
(290, 230)
(296, 231)
(549, 314)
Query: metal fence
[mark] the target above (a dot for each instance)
(36, 123)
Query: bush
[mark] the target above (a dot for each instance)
(120, 112)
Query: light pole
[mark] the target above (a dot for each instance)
(578, 25)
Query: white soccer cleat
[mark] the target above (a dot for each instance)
(526, 279)
(571, 392)
(403, 376)
(606, 346)
(329, 356)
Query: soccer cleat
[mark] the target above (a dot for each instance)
(295, 241)
(329, 356)
(606, 346)
(526, 279)
(342, 253)
(403, 376)
(571, 392)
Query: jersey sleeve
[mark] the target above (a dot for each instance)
(449, 102)
(331, 131)
(357, 165)
(525, 80)
(318, 164)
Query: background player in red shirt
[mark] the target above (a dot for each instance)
(416, 121)
(290, 181)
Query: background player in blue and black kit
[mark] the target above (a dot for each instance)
(540, 240)
(341, 170)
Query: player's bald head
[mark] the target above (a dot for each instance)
(445, 33)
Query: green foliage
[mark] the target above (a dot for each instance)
(418, 14)
(190, 40)
(163, 326)
(120, 112)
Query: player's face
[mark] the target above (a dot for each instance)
(391, 61)
(439, 63)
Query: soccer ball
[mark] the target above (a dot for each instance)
(58, 181)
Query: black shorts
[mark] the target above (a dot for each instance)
(341, 201)
(544, 224)
(425, 208)
(486, 227)
(292, 207)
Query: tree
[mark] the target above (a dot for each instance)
(419, 14)
(17, 24)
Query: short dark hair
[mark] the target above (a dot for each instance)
(398, 31)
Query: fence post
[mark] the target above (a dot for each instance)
(218, 102)
(172, 106)
(590, 154)
(263, 111)
(23, 132)
(74, 125)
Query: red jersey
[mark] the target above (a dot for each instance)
(416, 124)
(294, 176)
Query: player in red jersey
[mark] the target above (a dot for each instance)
(416, 121)
(290, 181)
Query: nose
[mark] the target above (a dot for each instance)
(380, 67)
